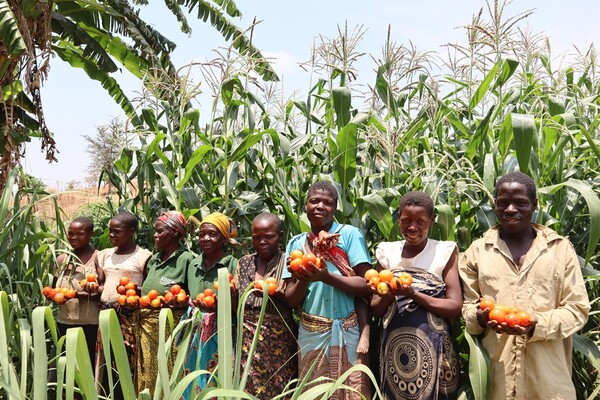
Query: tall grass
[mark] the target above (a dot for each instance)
(26, 375)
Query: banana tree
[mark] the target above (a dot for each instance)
(96, 36)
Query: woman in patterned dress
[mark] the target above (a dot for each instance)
(274, 362)
(417, 357)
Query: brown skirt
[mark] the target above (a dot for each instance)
(274, 362)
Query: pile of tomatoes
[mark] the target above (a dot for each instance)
(300, 260)
(270, 282)
(175, 297)
(513, 316)
(208, 298)
(384, 280)
(62, 295)
(58, 295)
(128, 293)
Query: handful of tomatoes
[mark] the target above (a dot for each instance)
(513, 316)
(58, 295)
(299, 260)
(128, 293)
(271, 284)
(206, 299)
(89, 283)
(384, 281)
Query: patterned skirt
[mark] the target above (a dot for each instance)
(202, 353)
(274, 362)
(417, 357)
(147, 337)
(330, 345)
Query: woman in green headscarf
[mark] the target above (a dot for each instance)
(216, 232)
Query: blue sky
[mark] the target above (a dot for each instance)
(75, 105)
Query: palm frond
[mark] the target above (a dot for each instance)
(65, 27)
(75, 57)
(9, 30)
(208, 12)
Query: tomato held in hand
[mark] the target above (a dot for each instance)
(498, 315)
(524, 319)
(295, 254)
(512, 319)
(406, 279)
(486, 303)
(386, 275)
(296, 264)
(175, 289)
(383, 288)
(371, 273)
(209, 301)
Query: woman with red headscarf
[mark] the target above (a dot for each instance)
(167, 267)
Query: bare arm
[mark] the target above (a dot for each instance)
(380, 303)
(295, 290)
(101, 276)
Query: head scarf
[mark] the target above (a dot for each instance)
(224, 224)
(174, 220)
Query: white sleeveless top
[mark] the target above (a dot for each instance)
(116, 266)
(433, 258)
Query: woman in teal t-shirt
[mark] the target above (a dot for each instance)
(167, 267)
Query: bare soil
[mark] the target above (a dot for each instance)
(70, 203)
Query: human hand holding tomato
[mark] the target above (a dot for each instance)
(517, 329)
(311, 273)
(384, 283)
(504, 320)
(206, 301)
(202, 306)
(404, 290)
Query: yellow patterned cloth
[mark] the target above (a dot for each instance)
(317, 323)
(224, 224)
(147, 337)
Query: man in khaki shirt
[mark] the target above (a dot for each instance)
(531, 267)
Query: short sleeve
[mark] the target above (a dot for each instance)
(355, 246)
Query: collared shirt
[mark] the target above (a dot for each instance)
(162, 275)
(199, 279)
(549, 285)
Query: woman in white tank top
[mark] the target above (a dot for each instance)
(417, 359)
(126, 258)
